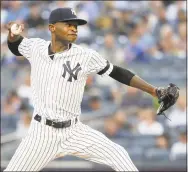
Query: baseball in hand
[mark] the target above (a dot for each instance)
(16, 29)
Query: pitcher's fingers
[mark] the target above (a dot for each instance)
(9, 25)
(22, 25)
(16, 29)
(19, 29)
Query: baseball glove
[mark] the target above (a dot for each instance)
(167, 97)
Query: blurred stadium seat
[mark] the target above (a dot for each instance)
(156, 154)
(143, 141)
(135, 152)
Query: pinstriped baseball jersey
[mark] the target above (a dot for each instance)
(58, 84)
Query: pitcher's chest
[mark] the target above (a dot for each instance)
(66, 69)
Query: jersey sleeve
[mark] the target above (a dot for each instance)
(98, 64)
(27, 45)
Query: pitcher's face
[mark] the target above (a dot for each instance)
(65, 31)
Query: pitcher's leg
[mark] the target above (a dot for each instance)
(92, 145)
(34, 152)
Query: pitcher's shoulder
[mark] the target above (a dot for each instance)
(41, 41)
(34, 41)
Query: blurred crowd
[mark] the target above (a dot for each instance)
(134, 34)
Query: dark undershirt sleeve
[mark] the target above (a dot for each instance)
(13, 46)
(122, 75)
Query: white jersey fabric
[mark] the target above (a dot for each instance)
(57, 94)
(57, 87)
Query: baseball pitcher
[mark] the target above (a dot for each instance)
(59, 69)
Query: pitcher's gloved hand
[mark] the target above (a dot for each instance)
(167, 97)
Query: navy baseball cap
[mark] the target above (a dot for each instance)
(63, 15)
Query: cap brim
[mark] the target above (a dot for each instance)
(79, 21)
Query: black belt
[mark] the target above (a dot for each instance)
(63, 124)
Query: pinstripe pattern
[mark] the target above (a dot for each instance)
(52, 94)
(109, 152)
(36, 150)
(56, 98)
(45, 143)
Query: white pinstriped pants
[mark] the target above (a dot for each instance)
(44, 143)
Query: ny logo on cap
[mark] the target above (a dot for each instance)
(73, 12)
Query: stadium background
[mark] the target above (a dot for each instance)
(147, 37)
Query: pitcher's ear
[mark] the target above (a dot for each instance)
(51, 27)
